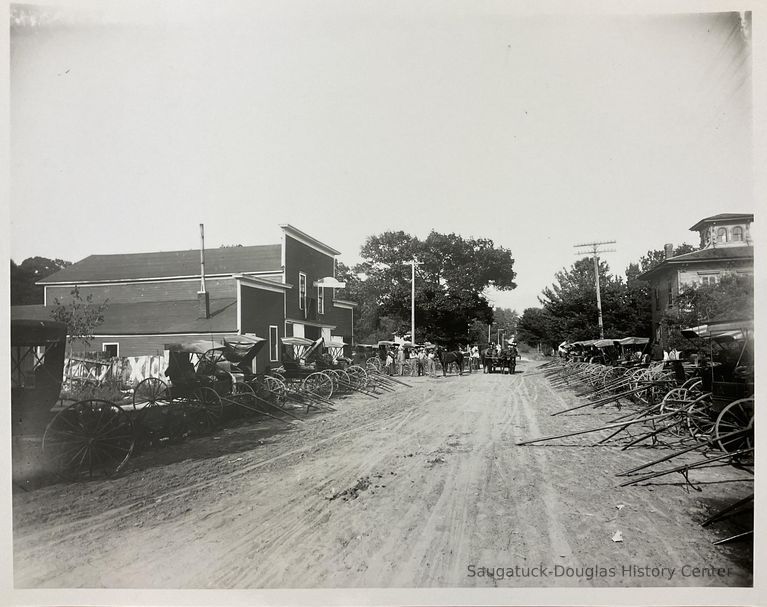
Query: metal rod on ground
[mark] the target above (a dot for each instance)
(599, 429)
(683, 467)
(730, 510)
(599, 402)
(651, 434)
(739, 536)
(280, 409)
(707, 442)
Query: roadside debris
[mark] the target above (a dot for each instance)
(435, 460)
(617, 536)
(362, 484)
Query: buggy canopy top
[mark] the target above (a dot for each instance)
(37, 332)
(736, 330)
(242, 348)
(633, 341)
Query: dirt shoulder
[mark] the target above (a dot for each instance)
(415, 488)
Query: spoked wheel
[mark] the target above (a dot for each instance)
(244, 396)
(319, 384)
(275, 390)
(205, 409)
(375, 363)
(738, 415)
(693, 385)
(358, 376)
(155, 416)
(344, 380)
(676, 400)
(89, 439)
(700, 418)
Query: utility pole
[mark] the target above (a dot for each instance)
(413, 263)
(594, 250)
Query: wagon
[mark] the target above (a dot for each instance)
(86, 438)
(206, 380)
(299, 372)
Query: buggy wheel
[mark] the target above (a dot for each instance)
(205, 409)
(275, 390)
(700, 422)
(208, 362)
(676, 400)
(244, 398)
(375, 363)
(151, 404)
(358, 376)
(90, 438)
(319, 384)
(738, 415)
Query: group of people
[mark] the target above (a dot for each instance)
(423, 359)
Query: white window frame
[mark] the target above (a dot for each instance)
(111, 343)
(301, 291)
(320, 300)
(274, 344)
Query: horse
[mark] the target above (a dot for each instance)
(445, 358)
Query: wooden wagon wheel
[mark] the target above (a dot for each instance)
(676, 400)
(358, 376)
(738, 415)
(375, 363)
(318, 383)
(205, 409)
(700, 421)
(89, 438)
(275, 390)
(244, 397)
(152, 418)
(694, 384)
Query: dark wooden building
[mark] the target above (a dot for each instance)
(272, 291)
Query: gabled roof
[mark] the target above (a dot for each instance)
(723, 254)
(722, 218)
(153, 318)
(167, 264)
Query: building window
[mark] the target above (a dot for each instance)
(657, 299)
(274, 344)
(737, 234)
(320, 300)
(721, 235)
(708, 280)
(112, 349)
(301, 291)
(669, 294)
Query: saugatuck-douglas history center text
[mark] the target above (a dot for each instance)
(592, 572)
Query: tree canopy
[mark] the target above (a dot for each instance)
(82, 316)
(24, 275)
(451, 279)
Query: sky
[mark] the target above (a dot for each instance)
(132, 123)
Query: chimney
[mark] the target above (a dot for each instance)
(668, 250)
(203, 299)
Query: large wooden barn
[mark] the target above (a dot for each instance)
(272, 291)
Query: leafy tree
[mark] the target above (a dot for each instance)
(656, 257)
(82, 316)
(24, 275)
(732, 298)
(537, 326)
(450, 282)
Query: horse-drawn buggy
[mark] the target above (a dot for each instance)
(84, 438)
(500, 361)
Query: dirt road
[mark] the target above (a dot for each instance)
(422, 487)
